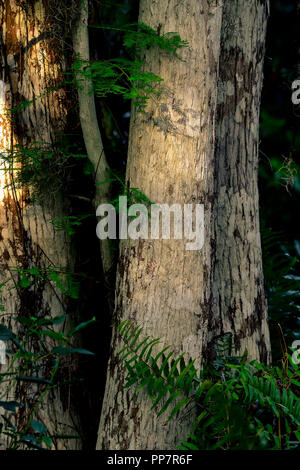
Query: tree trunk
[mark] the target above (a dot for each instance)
(27, 238)
(195, 143)
(93, 141)
(238, 301)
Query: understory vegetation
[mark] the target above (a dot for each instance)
(239, 404)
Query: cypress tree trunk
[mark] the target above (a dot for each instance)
(196, 142)
(28, 68)
(238, 302)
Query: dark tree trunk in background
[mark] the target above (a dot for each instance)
(238, 300)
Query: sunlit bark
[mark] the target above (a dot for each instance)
(28, 68)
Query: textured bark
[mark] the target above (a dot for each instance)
(196, 143)
(27, 238)
(238, 300)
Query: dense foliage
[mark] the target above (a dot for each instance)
(239, 405)
(35, 368)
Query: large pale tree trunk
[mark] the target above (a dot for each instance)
(197, 142)
(27, 238)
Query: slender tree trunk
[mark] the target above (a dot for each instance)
(92, 138)
(196, 143)
(27, 238)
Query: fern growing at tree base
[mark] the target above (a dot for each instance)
(240, 405)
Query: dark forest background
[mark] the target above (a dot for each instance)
(279, 187)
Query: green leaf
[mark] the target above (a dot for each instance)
(24, 320)
(39, 380)
(8, 422)
(56, 320)
(53, 334)
(295, 382)
(188, 369)
(48, 441)
(63, 351)
(32, 441)
(147, 346)
(38, 427)
(170, 400)
(5, 333)
(35, 272)
(10, 405)
(81, 325)
(188, 446)
(181, 404)
(164, 390)
(25, 281)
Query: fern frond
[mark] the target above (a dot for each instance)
(171, 383)
(267, 393)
